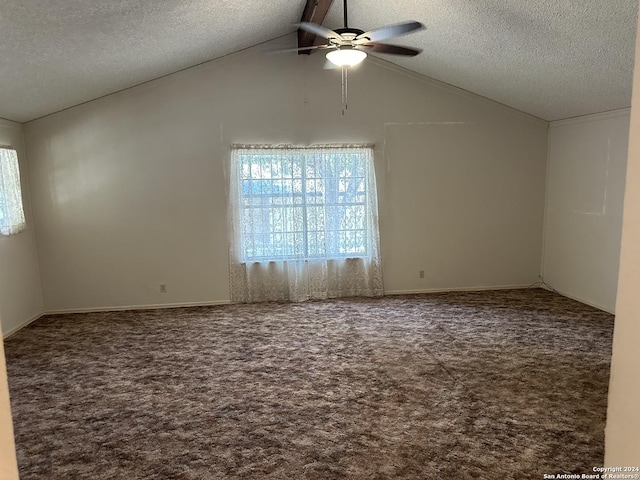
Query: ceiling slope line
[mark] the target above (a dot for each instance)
(452, 88)
(591, 117)
(115, 92)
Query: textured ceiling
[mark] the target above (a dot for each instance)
(552, 59)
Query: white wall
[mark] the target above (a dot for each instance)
(622, 444)
(20, 295)
(585, 189)
(129, 190)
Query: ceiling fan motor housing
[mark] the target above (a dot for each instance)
(354, 31)
(347, 36)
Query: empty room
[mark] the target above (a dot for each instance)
(317, 239)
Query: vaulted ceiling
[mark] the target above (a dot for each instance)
(552, 59)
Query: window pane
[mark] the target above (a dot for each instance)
(303, 203)
(11, 211)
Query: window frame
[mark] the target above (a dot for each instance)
(307, 254)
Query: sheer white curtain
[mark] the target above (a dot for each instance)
(303, 223)
(11, 213)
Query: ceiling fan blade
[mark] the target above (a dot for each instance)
(318, 30)
(301, 49)
(392, 49)
(390, 31)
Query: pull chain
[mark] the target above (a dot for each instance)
(345, 77)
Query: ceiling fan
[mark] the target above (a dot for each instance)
(348, 46)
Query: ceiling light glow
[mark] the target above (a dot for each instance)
(346, 57)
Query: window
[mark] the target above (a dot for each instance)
(303, 223)
(303, 203)
(11, 212)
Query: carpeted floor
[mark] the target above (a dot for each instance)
(483, 385)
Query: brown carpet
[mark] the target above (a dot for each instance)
(485, 385)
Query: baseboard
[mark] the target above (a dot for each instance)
(120, 308)
(15, 329)
(498, 287)
(586, 302)
(456, 289)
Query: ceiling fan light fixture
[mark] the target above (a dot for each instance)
(346, 57)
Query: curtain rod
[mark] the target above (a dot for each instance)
(295, 147)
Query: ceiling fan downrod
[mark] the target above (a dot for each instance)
(345, 14)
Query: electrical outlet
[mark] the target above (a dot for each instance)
(163, 288)
(421, 274)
